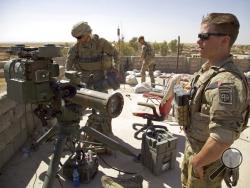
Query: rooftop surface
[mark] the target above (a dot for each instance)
(29, 171)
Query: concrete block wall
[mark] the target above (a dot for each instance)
(17, 122)
(168, 64)
(164, 63)
(243, 64)
(194, 64)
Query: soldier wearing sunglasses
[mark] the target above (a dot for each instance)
(218, 105)
(94, 58)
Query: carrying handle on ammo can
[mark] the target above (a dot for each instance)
(155, 128)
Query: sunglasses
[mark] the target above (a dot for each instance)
(205, 36)
(79, 37)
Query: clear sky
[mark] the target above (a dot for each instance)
(157, 20)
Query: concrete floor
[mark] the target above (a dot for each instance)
(23, 171)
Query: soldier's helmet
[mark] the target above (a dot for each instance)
(80, 29)
(140, 38)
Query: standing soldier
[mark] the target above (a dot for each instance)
(147, 58)
(93, 57)
(219, 104)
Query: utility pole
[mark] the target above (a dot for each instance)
(119, 39)
(119, 51)
(178, 54)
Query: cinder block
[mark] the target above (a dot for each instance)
(5, 120)
(19, 140)
(6, 154)
(27, 121)
(6, 104)
(10, 133)
(3, 139)
(19, 110)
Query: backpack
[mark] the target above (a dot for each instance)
(150, 51)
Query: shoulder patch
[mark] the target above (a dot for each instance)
(225, 95)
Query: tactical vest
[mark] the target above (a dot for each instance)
(198, 130)
(149, 53)
(94, 59)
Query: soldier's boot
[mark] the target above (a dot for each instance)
(153, 82)
(111, 182)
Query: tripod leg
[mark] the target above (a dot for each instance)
(43, 138)
(54, 163)
(107, 140)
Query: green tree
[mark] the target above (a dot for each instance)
(173, 45)
(134, 44)
(157, 47)
(164, 48)
(125, 49)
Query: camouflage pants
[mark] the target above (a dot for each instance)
(100, 122)
(147, 66)
(188, 178)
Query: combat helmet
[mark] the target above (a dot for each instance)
(80, 29)
(140, 38)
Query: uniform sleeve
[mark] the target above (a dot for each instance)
(71, 58)
(226, 106)
(110, 50)
(143, 52)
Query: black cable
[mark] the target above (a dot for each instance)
(125, 172)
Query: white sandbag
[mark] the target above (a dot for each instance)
(130, 73)
(247, 74)
(135, 71)
(142, 87)
(131, 80)
(157, 73)
(137, 74)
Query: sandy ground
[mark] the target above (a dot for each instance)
(23, 171)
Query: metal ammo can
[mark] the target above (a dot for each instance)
(158, 149)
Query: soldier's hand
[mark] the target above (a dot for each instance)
(198, 171)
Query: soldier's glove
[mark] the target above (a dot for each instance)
(113, 79)
(231, 177)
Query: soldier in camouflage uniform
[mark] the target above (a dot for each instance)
(147, 58)
(219, 103)
(93, 57)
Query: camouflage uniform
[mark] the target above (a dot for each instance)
(148, 63)
(219, 109)
(93, 57)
